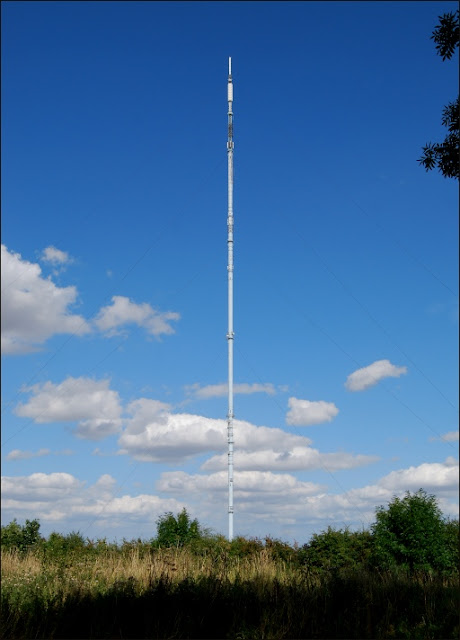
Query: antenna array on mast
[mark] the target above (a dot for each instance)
(230, 334)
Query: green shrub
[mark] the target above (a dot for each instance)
(411, 533)
(335, 549)
(280, 550)
(243, 547)
(59, 546)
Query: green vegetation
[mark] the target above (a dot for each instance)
(412, 534)
(398, 580)
(177, 531)
(20, 537)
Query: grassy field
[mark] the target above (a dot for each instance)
(140, 592)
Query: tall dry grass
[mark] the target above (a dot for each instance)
(174, 593)
(89, 572)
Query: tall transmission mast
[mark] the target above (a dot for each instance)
(230, 335)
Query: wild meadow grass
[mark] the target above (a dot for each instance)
(140, 592)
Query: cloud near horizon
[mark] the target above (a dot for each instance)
(369, 376)
(57, 496)
(263, 498)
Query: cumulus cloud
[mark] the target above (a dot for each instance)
(33, 308)
(56, 257)
(372, 374)
(430, 476)
(265, 502)
(123, 312)
(41, 487)
(154, 434)
(303, 413)
(295, 459)
(216, 390)
(17, 454)
(91, 403)
(97, 428)
(261, 485)
(267, 499)
(63, 497)
(165, 437)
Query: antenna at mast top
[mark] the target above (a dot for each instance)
(229, 66)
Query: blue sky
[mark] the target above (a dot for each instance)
(114, 264)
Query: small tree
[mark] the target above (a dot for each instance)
(411, 533)
(177, 531)
(21, 537)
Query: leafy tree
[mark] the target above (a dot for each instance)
(445, 155)
(177, 531)
(21, 537)
(412, 533)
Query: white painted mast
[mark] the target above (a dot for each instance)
(230, 335)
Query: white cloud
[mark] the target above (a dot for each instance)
(372, 374)
(429, 476)
(255, 485)
(92, 403)
(165, 437)
(216, 390)
(450, 436)
(154, 434)
(304, 413)
(42, 487)
(55, 256)
(33, 308)
(122, 312)
(17, 454)
(264, 500)
(295, 459)
(62, 497)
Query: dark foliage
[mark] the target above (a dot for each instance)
(399, 580)
(346, 605)
(337, 549)
(445, 155)
(446, 35)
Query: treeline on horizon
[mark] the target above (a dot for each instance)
(399, 579)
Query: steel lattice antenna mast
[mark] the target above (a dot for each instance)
(230, 334)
